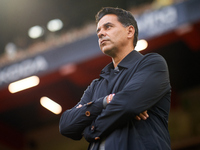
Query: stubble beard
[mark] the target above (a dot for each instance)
(110, 51)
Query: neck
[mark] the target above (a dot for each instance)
(120, 56)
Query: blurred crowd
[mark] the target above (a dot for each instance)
(14, 52)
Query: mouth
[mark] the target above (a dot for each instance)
(103, 41)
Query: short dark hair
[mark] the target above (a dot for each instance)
(125, 17)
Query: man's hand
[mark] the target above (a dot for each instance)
(142, 116)
(79, 106)
(109, 98)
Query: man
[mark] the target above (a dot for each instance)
(109, 114)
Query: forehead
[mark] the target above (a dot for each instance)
(112, 18)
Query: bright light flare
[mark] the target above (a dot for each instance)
(50, 105)
(23, 84)
(141, 45)
(55, 25)
(35, 32)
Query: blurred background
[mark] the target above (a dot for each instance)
(49, 55)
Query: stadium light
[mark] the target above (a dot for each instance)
(54, 25)
(23, 84)
(141, 45)
(35, 32)
(50, 105)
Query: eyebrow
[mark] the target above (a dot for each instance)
(108, 23)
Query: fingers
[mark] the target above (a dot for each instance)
(144, 115)
(79, 106)
(137, 118)
(109, 98)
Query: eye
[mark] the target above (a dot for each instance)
(107, 26)
(98, 31)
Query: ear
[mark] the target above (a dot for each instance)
(130, 31)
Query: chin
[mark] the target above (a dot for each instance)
(107, 49)
(108, 52)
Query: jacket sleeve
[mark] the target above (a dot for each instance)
(73, 121)
(145, 88)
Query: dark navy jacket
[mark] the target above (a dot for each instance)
(142, 83)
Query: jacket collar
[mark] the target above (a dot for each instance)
(127, 62)
(130, 59)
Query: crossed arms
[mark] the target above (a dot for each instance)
(91, 120)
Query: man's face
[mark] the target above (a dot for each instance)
(112, 34)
